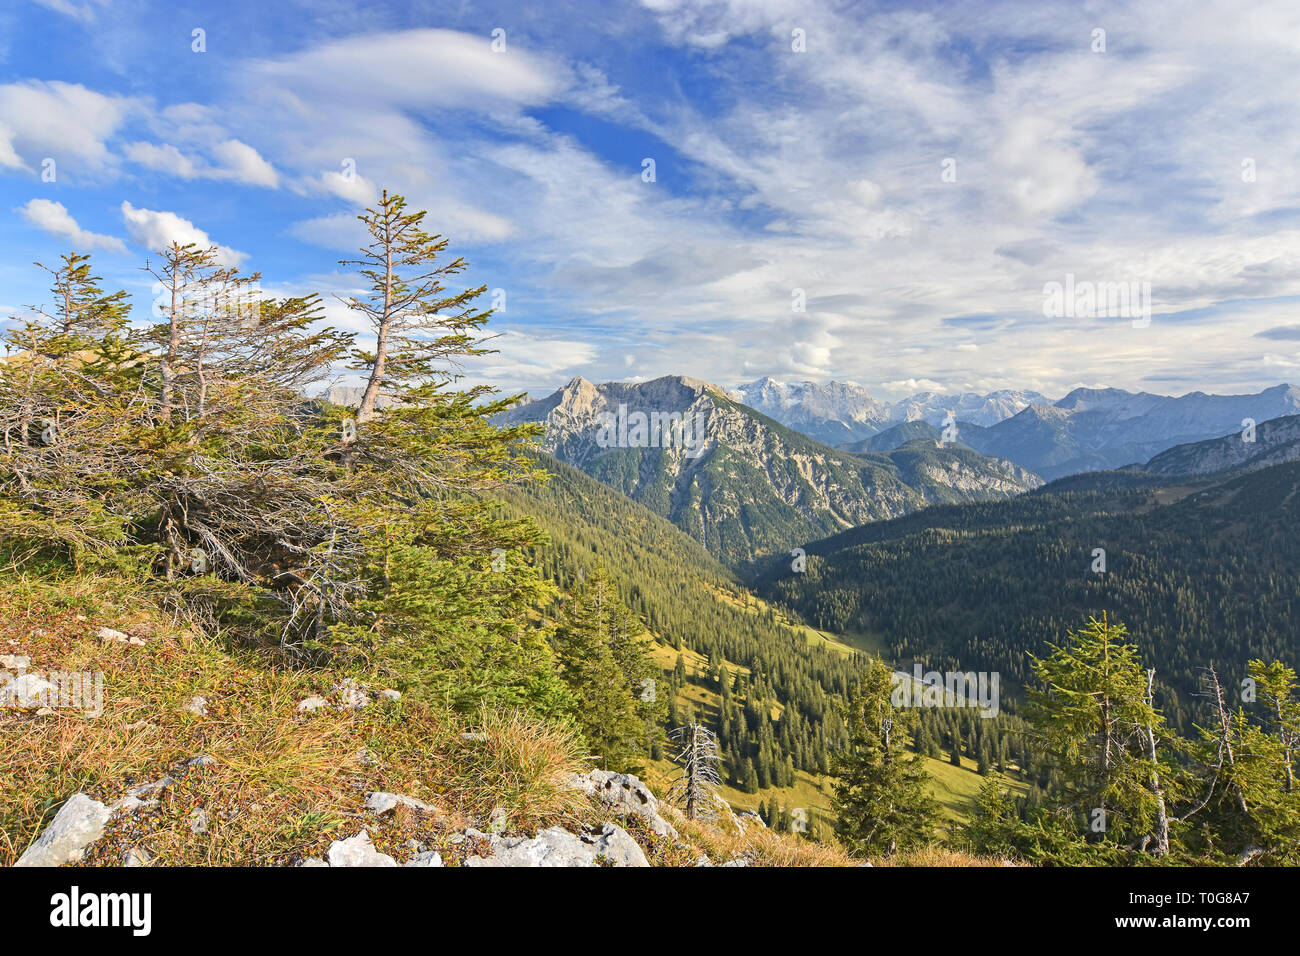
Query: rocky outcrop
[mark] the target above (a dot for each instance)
(607, 844)
(357, 851)
(625, 795)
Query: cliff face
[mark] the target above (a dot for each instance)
(1274, 442)
(739, 482)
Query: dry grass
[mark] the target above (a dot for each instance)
(723, 841)
(283, 784)
(938, 856)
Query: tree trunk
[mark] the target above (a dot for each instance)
(366, 410)
(1162, 816)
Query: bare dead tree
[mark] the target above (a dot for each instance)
(696, 787)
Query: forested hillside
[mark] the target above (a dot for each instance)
(688, 600)
(1200, 574)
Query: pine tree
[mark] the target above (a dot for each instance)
(604, 665)
(420, 327)
(880, 796)
(993, 822)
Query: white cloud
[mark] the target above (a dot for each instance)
(528, 362)
(54, 218)
(155, 230)
(346, 185)
(84, 11)
(414, 68)
(237, 161)
(1048, 174)
(244, 164)
(65, 121)
(162, 157)
(8, 155)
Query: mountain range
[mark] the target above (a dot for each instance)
(738, 481)
(838, 413)
(1089, 429)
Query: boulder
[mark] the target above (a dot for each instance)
(26, 691)
(357, 851)
(425, 858)
(615, 845)
(78, 824)
(108, 634)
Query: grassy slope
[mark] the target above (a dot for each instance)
(283, 785)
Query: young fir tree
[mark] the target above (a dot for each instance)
(65, 392)
(1094, 719)
(603, 663)
(880, 799)
(994, 821)
(432, 461)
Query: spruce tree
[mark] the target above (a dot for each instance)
(880, 795)
(1093, 719)
(604, 665)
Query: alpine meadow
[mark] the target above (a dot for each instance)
(676, 434)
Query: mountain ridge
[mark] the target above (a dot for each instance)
(736, 480)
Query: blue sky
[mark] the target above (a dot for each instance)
(776, 169)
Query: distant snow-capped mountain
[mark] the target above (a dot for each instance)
(1087, 430)
(840, 413)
